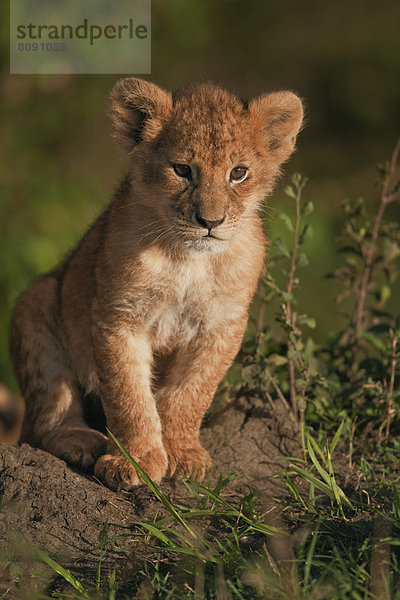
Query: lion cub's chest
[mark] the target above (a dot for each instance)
(176, 324)
(190, 303)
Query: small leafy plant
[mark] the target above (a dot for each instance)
(323, 479)
(360, 364)
(281, 367)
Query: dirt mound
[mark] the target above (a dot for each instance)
(43, 502)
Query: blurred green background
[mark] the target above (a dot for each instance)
(58, 165)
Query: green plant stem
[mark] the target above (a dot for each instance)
(290, 319)
(277, 389)
(391, 384)
(369, 254)
(385, 199)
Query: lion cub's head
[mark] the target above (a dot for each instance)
(202, 159)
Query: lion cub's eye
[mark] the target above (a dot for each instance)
(183, 171)
(238, 174)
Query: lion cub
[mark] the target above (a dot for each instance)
(149, 310)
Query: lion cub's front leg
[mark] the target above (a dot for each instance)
(188, 392)
(124, 367)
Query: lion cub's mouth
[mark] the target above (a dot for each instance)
(205, 243)
(201, 240)
(197, 235)
(212, 236)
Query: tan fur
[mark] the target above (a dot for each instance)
(149, 311)
(11, 416)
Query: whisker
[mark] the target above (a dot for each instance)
(153, 231)
(161, 232)
(151, 224)
(164, 236)
(269, 207)
(268, 219)
(123, 206)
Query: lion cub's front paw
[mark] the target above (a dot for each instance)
(118, 473)
(193, 462)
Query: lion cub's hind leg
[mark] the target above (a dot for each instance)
(54, 417)
(66, 434)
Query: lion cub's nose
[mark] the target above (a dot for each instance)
(206, 223)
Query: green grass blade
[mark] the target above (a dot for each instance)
(102, 540)
(320, 485)
(63, 572)
(226, 481)
(190, 489)
(396, 503)
(153, 487)
(156, 532)
(294, 489)
(332, 491)
(311, 495)
(257, 526)
(111, 585)
(336, 437)
(221, 483)
(201, 513)
(303, 443)
(316, 447)
(339, 494)
(193, 552)
(170, 543)
(310, 554)
(211, 494)
(324, 474)
(382, 482)
(218, 487)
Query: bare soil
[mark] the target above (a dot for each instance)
(44, 502)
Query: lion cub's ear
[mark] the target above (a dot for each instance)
(138, 110)
(281, 115)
